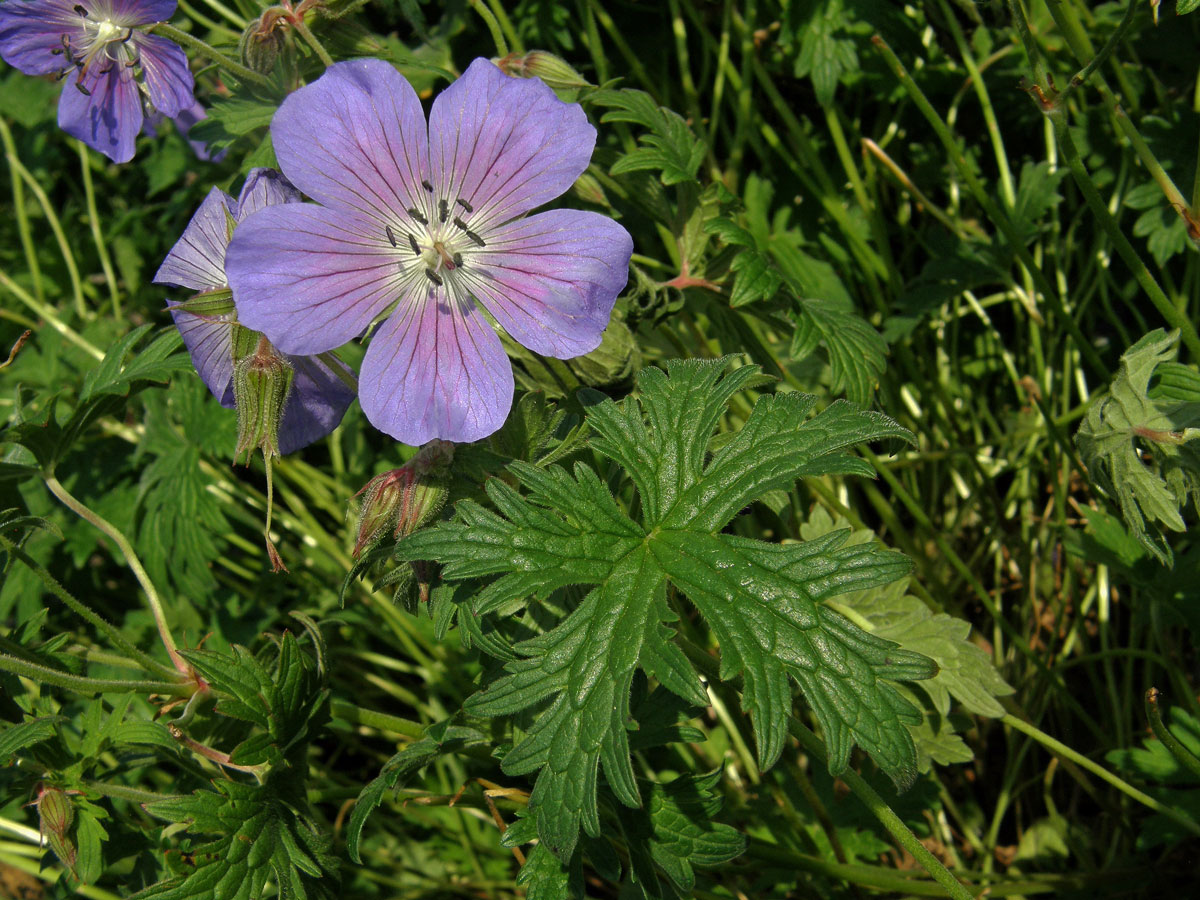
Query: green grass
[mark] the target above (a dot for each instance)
(912, 206)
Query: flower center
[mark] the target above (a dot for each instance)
(438, 236)
(99, 37)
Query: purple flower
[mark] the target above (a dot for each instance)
(430, 224)
(319, 395)
(107, 62)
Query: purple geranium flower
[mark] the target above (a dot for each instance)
(319, 396)
(108, 64)
(431, 221)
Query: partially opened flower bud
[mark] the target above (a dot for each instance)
(404, 499)
(553, 70)
(262, 381)
(261, 43)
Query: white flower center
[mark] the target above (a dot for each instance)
(438, 236)
(101, 41)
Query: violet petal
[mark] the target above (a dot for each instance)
(264, 187)
(318, 400)
(505, 145)
(168, 79)
(209, 340)
(197, 260)
(140, 12)
(551, 279)
(355, 138)
(31, 30)
(310, 278)
(108, 117)
(435, 369)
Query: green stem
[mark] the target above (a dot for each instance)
(85, 612)
(369, 718)
(813, 745)
(1168, 310)
(870, 798)
(193, 43)
(1060, 749)
(49, 315)
(311, 39)
(22, 216)
(60, 236)
(97, 235)
(1100, 58)
(90, 686)
(135, 564)
(493, 26)
(1174, 746)
(506, 26)
(993, 212)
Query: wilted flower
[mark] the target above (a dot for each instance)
(430, 223)
(107, 63)
(318, 394)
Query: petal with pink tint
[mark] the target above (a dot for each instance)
(551, 279)
(435, 369)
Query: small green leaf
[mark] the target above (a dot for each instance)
(16, 738)
(669, 147)
(262, 837)
(857, 352)
(1125, 422)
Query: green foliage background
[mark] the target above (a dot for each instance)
(912, 318)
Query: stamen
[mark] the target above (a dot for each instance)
(390, 235)
(458, 260)
(59, 52)
(434, 277)
(79, 9)
(416, 214)
(412, 242)
(472, 236)
(465, 205)
(443, 210)
(425, 184)
(82, 89)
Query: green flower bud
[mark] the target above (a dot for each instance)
(262, 380)
(404, 499)
(546, 66)
(613, 362)
(56, 814)
(261, 43)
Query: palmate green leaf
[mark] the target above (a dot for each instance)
(262, 838)
(16, 738)
(823, 54)
(1183, 7)
(762, 600)
(857, 352)
(669, 147)
(1125, 421)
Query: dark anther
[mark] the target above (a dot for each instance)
(128, 36)
(391, 235)
(465, 205)
(425, 184)
(434, 277)
(82, 89)
(443, 210)
(458, 260)
(468, 232)
(58, 52)
(80, 9)
(412, 242)
(416, 214)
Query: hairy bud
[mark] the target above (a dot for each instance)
(546, 66)
(56, 814)
(262, 380)
(404, 499)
